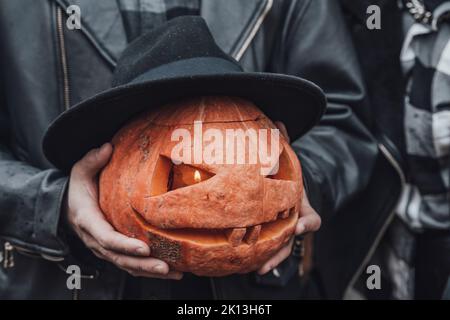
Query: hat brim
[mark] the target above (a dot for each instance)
(92, 122)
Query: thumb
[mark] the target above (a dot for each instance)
(309, 220)
(95, 160)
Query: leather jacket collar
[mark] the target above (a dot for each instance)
(232, 32)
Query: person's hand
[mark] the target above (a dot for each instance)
(309, 221)
(88, 222)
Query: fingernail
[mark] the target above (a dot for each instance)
(103, 147)
(159, 268)
(142, 251)
(300, 228)
(178, 276)
(263, 272)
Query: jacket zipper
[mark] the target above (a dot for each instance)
(8, 256)
(63, 57)
(10, 248)
(387, 154)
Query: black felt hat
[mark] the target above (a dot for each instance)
(176, 60)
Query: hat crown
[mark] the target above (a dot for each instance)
(179, 39)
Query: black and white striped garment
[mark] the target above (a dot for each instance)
(425, 58)
(140, 16)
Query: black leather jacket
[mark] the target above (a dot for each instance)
(45, 68)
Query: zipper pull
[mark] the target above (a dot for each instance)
(8, 256)
(298, 251)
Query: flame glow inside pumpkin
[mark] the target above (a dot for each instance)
(208, 219)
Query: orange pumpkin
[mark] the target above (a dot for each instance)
(206, 218)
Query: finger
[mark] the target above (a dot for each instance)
(137, 265)
(90, 242)
(280, 125)
(94, 160)
(172, 275)
(99, 229)
(309, 221)
(279, 257)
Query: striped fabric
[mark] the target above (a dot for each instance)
(425, 58)
(140, 16)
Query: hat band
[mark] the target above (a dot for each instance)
(189, 67)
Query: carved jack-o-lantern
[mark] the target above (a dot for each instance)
(206, 218)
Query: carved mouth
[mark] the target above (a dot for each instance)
(232, 236)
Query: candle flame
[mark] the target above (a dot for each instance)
(197, 176)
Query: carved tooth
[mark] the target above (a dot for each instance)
(235, 236)
(252, 234)
(284, 214)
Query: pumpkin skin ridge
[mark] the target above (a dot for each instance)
(125, 133)
(262, 122)
(204, 122)
(204, 107)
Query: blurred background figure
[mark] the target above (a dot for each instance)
(406, 64)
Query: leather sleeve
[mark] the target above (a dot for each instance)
(337, 155)
(30, 198)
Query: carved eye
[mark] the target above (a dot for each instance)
(182, 175)
(168, 176)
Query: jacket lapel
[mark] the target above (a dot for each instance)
(234, 23)
(102, 24)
